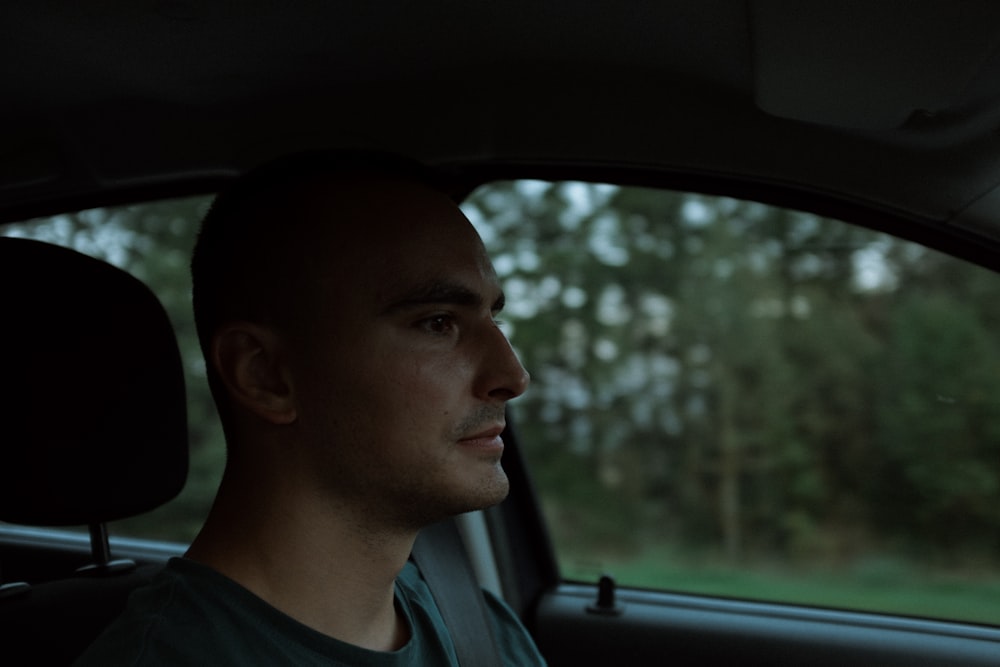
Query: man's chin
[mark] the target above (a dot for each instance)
(496, 493)
(485, 495)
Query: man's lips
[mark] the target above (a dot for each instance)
(490, 432)
(488, 438)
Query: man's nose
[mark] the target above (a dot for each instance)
(502, 376)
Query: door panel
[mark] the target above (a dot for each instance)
(655, 628)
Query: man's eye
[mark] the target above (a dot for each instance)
(438, 324)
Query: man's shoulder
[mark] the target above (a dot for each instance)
(174, 611)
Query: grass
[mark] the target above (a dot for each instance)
(877, 584)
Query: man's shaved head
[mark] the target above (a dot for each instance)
(255, 256)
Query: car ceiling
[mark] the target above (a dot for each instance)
(888, 106)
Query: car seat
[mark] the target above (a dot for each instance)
(94, 430)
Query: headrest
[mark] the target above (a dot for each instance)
(93, 422)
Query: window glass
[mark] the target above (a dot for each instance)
(153, 241)
(734, 399)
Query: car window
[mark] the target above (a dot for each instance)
(153, 241)
(727, 398)
(733, 399)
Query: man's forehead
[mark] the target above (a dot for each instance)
(378, 209)
(465, 289)
(400, 240)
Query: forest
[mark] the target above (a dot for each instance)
(747, 381)
(714, 377)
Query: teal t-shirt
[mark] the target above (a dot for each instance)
(192, 615)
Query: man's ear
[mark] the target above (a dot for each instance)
(248, 359)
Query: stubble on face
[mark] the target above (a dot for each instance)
(385, 406)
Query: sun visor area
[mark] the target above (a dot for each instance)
(867, 65)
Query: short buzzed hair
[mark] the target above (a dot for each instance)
(244, 264)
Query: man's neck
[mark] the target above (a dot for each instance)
(326, 569)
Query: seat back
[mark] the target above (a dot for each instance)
(94, 428)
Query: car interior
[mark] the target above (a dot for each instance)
(619, 160)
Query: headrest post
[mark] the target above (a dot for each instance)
(100, 545)
(100, 549)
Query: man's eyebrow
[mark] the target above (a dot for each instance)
(444, 293)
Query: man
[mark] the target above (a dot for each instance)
(346, 309)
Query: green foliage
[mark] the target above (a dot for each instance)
(939, 422)
(758, 383)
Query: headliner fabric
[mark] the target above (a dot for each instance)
(92, 401)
